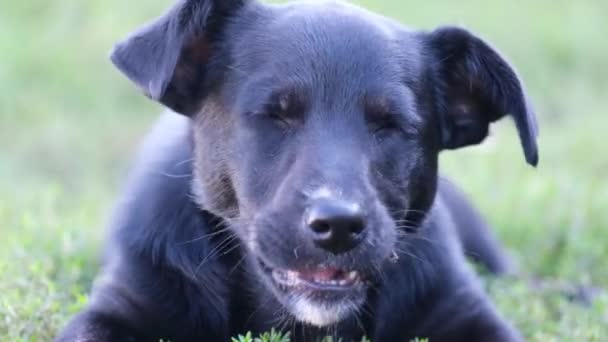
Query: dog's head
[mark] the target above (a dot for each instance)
(317, 129)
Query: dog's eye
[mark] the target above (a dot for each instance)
(383, 116)
(384, 126)
(283, 109)
(281, 120)
(279, 113)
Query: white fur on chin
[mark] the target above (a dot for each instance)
(319, 314)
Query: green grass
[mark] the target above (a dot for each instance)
(275, 336)
(69, 124)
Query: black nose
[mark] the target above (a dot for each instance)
(336, 226)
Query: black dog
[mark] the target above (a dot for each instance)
(299, 188)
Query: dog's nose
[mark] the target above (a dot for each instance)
(336, 226)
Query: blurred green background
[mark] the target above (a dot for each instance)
(69, 123)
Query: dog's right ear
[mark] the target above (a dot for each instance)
(168, 58)
(476, 86)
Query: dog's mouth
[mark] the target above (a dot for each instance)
(321, 295)
(314, 280)
(320, 279)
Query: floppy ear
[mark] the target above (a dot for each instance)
(168, 58)
(475, 87)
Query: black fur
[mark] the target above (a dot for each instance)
(478, 88)
(286, 107)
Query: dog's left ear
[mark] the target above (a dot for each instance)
(475, 86)
(169, 58)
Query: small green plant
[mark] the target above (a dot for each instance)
(275, 336)
(272, 336)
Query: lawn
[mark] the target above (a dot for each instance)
(69, 123)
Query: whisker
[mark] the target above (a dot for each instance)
(229, 250)
(215, 251)
(204, 236)
(266, 301)
(238, 263)
(186, 175)
(184, 162)
(358, 320)
(408, 254)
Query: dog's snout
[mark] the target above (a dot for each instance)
(336, 226)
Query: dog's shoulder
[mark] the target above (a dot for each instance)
(158, 241)
(156, 198)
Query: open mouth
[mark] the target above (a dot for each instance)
(322, 278)
(319, 279)
(320, 295)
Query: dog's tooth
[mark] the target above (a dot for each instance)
(322, 281)
(286, 278)
(294, 278)
(353, 275)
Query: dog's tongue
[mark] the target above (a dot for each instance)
(322, 274)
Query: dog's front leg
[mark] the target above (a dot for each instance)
(89, 326)
(467, 315)
(486, 326)
(455, 314)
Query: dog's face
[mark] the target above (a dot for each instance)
(317, 128)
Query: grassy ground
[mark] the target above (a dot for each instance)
(69, 123)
